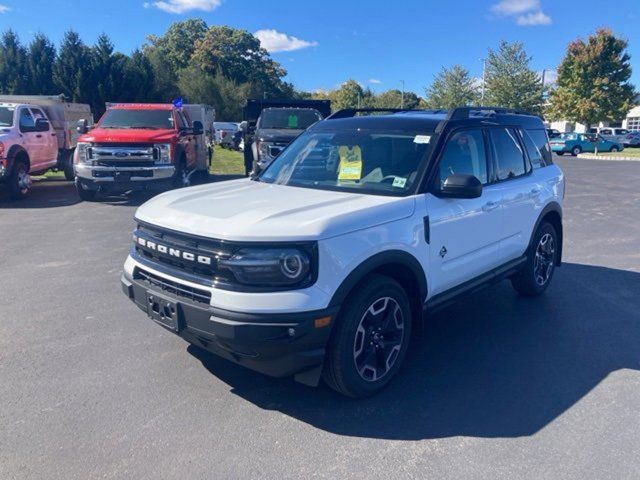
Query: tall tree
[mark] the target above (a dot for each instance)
(72, 68)
(349, 95)
(593, 81)
(178, 43)
(13, 64)
(40, 58)
(138, 80)
(452, 87)
(396, 99)
(105, 73)
(509, 80)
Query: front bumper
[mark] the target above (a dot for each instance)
(124, 178)
(279, 345)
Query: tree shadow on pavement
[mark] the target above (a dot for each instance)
(492, 365)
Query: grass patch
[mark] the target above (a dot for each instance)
(627, 152)
(227, 162)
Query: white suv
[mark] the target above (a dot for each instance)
(321, 266)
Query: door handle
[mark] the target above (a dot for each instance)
(38, 136)
(489, 206)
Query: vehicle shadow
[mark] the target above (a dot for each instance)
(45, 193)
(493, 365)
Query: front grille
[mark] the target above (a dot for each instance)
(171, 287)
(123, 154)
(215, 250)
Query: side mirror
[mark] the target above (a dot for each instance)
(198, 129)
(42, 125)
(461, 186)
(244, 126)
(83, 126)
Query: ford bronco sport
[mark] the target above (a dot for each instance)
(321, 266)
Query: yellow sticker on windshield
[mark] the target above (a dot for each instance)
(350, 163)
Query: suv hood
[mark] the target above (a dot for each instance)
(126, 135)
(284, 135)
(244, 210)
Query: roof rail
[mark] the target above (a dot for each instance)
(461, 113)
(352, 112)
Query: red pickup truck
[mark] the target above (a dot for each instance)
(139, 146)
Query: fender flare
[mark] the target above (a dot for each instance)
(551, 207)
(13, 152)
(388, 257)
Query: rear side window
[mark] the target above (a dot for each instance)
(508, 153)
(464, 153)
(539, 137)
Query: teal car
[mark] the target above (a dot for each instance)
(575, 143)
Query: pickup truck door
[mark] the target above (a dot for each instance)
(464, 234)
(32, 141)
(47, 140)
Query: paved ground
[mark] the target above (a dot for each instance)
(509, 388)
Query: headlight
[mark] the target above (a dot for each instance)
(265, 150)
(269, 267)
(83, 152)
(164, 153)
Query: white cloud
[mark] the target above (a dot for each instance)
(534, 18)
(375, 81)
(184, 6)
(525, 12)
(4, 9)
(274, 41)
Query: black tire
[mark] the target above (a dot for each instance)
(67, 167)
(86, 195)
(577, 150)
(378, 307)
(19, 181)
(614, 148)
(536, 275)
(560, 153)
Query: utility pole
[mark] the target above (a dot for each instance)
(484, 77)
(402, 95)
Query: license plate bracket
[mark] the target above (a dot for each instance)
(122, 176)
(164, 311)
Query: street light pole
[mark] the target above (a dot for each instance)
(484, 76)
(402, 95)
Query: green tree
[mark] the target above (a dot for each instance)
(13, 64)
(138, 79)
(509, 80)
(349, 95)
(40, 58)
(394, 98)
(452, 87)
(178, 43)
(105, 73)
(593, 81)
(72, 68)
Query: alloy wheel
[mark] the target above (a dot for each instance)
(545, 259)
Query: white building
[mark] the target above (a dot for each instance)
(632, 122)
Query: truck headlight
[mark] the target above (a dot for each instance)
(82, 153)
(264, 150)
(269, 267)
(163, 153)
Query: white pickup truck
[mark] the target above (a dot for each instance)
(37, 133)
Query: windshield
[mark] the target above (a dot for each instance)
(6, 116)
(151, 119)
(289, 119)
(376, 162)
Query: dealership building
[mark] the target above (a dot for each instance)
(630, 122)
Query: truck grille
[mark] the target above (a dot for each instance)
(171, 287)
(129, 155)
(192, 258)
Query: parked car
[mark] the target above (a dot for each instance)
(138, 146)
(36, 135)
(270, 125)
(553, 133)
(632, 139)
(322, 265)
(577, 143)
(224, 133)
(616, 135)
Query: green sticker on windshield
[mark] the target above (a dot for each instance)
(399, 182)
(292, 121)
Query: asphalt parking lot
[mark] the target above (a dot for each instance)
(510, 388)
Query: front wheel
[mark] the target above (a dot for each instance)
(575, 151)
(560, 153)
(370, 338)
(19, 181)
(614, 148)
(67, 166)
(536, 275)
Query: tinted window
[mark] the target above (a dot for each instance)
(508, 153)
(37, 114)
(6, 116)
(605, 131)
(464, 153)
(27, 122)
(151, 119)
(289, 119)
(540, 140)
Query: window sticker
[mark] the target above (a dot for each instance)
(422, 139)
(292, 121)
(399, 182)
(350, 167)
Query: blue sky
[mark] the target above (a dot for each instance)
(375, 42)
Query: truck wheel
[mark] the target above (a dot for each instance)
(370, 338)
(560, 153)
(19, 181)
(614, 148)
(85, 194)
(67, 166)
(575, 151)
(536, 275)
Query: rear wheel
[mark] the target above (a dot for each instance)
(577, 150)
(614, 148)
(560, 153)
(536, 275)
(370, 338)
(19, 181)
